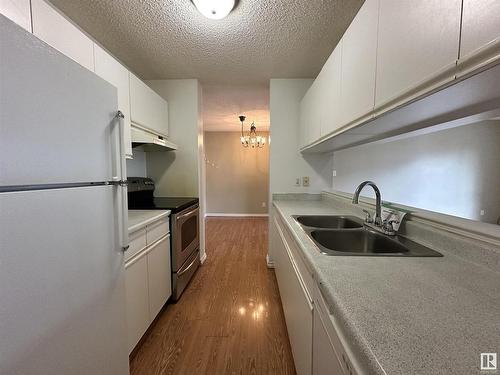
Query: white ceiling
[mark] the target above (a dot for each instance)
(222, 104)
(260, 39)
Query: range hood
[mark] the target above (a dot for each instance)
(148, 141)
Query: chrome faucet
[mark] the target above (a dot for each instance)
(377, 224)
(378, 203)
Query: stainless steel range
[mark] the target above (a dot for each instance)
(184, 228)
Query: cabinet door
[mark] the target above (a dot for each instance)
(136, 286)
(359, 46)
(331, 94)
(310, 115)
(159, 276)
(51, 27)
(480, 25)
(115, 73)
(147, 108)
(314, 128)
(18, 11)
(417, 45)
(304, 120)
(325, 360)
(296, 306)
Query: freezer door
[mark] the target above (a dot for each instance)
(56, 117)
(62, 291)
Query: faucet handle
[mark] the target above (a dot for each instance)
(388, 224)
(368, 216)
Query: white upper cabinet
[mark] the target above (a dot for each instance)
(359, 47)
(417, 46)
(480, 27)
(54, 29)
(111, 70)
(310, 115)
(305, 117)
(18, 11)
(331, 109)
(147, 109)
(314, 120)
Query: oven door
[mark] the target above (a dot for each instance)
(185, 236)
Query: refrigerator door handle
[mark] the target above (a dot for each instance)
(119, 178)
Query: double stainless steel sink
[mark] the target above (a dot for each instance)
(346, 235)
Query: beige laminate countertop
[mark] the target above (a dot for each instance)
(405, 315)
(138, 219)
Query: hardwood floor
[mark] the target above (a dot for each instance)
(229, 320)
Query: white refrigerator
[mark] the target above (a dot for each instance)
(62, 214)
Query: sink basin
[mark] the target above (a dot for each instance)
(366, 242)
(333, 222)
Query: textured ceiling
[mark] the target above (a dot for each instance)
(222, 104)
(260, 39)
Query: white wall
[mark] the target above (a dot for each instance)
(237, 177)
(178, 173)
(454, 171)
(136, 167)
(286, 163)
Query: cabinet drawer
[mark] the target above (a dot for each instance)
(157, 230)
(137, 242)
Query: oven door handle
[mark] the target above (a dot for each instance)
(187, 213)
(188, 267)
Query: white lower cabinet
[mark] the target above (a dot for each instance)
(147, 278)
(297, 306)
(159, 276)
(325, 360)
(316, 345)
(136, 286)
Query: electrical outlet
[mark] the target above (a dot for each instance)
(263, 204)
(297, 181)
(305, 181)
(334, 173)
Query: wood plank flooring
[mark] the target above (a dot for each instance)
(229, 320)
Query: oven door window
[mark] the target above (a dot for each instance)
(189, 231)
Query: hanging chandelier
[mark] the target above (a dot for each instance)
(251, 139)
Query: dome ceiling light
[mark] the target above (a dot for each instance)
(214, 9)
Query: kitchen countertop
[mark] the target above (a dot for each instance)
(138, 219)
(404, 315)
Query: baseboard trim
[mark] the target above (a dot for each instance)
(235, 215)
(269, 262)
(203, 258)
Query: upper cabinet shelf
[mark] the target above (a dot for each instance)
(396, 52)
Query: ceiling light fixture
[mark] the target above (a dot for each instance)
(214, 9)
(252, 139)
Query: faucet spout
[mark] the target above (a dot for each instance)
(378, 203)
